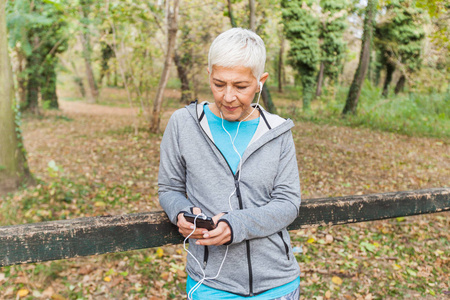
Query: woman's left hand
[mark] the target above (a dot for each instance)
(218, 236)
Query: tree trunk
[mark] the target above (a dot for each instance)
(21, 79)
(320, 80)
(107, 54)
(93, 95)
(267, 99)
(172, 26)
(390, 69)
(280, 64)
(265, 94)
(33, 83)
(230, 14)
(364, 59)
(251, 5)
(308, 92)
(13, 167)
(85, 41)
(400, 84)
(186, 93)
(48, 90)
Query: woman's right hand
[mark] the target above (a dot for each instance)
(185, 227)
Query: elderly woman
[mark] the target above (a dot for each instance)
(235, 162)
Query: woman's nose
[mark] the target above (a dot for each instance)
(230, 94)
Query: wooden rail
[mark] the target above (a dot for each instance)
(98, 235)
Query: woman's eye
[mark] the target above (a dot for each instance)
(241, 87)
(218, 85)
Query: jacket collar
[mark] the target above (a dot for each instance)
(269, 123)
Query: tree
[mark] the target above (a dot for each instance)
(172, 28)
(399, 39)
(13, 167)
(364, 59)
(265, 93)
(332, 26)
(302, 29)
(84, 8)
(38, 32)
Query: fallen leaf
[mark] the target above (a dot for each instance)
(328, 294)
(107, 279)
(164, 276)
(336, 280)
(22, 293)
(159, 252)
(310, 240)
(99, 204)
(57, 297)
(48, 292)
(181, 273)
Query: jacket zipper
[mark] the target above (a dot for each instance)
(286, 247)
(238, 195)
(205, 257)
(247, 242)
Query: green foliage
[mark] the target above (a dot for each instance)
(302, 29)
(399, 36)
(332, 30)
(38, 32)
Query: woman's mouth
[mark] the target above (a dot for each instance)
(230, 108)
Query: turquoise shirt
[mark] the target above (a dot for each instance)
(206, 292)
(222, 139)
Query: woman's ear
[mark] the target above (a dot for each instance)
(264, 77)
(207, 70)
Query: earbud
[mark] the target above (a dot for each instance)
(260, 86)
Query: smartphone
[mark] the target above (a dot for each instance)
(201, 222)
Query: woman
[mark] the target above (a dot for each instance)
(235, 162)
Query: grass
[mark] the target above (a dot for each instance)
(412, 114)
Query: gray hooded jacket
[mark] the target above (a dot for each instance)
(194, 173)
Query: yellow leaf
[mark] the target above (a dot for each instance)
(57, 297)
(336, 280)
(328, 294)
(159, 252)
(99, 204)
(376, 244)
(22, 293)
(438, 252)
(396, 267)
(107, 279)
(385, 230)
(310, 240)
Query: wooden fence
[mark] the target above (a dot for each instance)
(55, 240)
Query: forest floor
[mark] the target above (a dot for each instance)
(93, 160)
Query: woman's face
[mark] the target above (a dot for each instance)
(233, 90)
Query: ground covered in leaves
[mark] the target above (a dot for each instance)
(93, 160)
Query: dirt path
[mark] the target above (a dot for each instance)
(77, 107)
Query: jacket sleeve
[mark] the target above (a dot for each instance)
(280, 211)
(172, 171)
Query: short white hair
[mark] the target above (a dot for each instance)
(238, 47)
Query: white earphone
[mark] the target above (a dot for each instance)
(260, 86)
